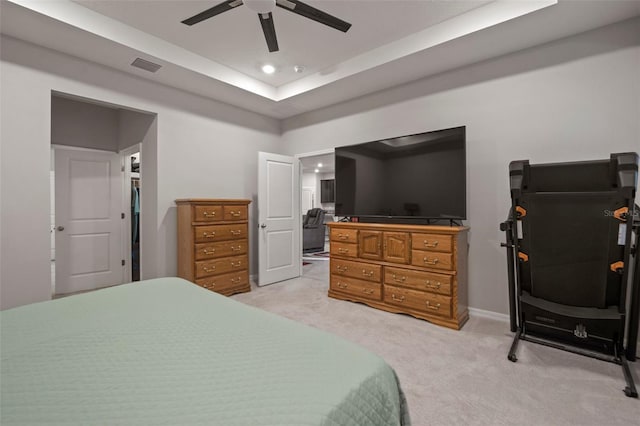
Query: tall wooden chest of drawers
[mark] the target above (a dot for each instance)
(420, 270)
(213, 244)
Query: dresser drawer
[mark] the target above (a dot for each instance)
(344, 235)
(419, 300)
(419, 280)
(205, 213)
(205, 268)
(363, 271)
(220, 232)
(222, 283)
(220, 249)
(432, 242)
(430, 259)
(344, 249)
(235, 212)
(359, 288)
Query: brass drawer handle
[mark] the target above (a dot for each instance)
(435, 286)
(209, 285)
(341, 285)
(209, 251)
(343, 250)
(434, 307)
(236, 280)
(209, 234)
(236, 264)
(367, 291)
(236, 233)
(343, 236)
(207, 214)
(426, 244)
(430, 262)
(206, 268)
(238, 248)
(341, 268)
(399, 280)
(397, 299)
(235, 214)
(367, 274)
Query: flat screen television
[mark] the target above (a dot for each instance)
(413, 177)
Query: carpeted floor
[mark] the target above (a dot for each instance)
(462, 377)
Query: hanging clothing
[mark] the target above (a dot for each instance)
(135, 213)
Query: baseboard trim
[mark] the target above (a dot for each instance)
(489, 314)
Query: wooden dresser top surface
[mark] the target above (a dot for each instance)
(400, 227)
(212, 201)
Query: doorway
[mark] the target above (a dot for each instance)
(317, 204)
(96, 200)
(132, 192)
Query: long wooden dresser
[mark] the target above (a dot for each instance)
(213, 244)
(420, 270)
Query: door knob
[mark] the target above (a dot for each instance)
(60, 228)
(264, 225)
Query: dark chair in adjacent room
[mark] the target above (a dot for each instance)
(313, 230)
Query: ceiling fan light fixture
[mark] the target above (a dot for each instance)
(261, 6)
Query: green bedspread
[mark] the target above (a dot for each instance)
(165, 351)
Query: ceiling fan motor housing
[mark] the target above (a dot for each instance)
(260, 6)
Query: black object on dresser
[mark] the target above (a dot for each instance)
(572, 250)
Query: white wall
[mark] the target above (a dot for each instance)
(574, 99)
(203, 149)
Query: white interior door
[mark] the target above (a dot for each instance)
(88, 187)
(278, 218)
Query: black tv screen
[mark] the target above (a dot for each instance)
(415, 176)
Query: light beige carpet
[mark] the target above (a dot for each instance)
(462, 377)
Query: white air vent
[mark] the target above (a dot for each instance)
(146, 65)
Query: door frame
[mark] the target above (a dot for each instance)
(298, 157)
(126, 201)
(122, 224)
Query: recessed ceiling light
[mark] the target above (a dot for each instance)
(298, 68)
(319, 164)
(316, 170)
(268, 69)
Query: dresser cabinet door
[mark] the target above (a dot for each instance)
(370, 244)
(397, 247)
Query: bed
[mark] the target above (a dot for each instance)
(165, 351)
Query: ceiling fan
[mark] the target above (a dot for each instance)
(264, 8)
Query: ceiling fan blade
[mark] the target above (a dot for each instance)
(215, 10)
(266, 20)
(310, 12)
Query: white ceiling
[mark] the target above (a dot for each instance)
(235, 39)
(390, 42)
